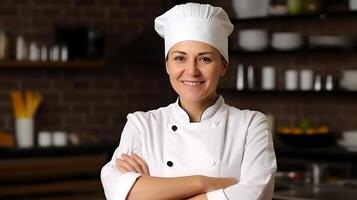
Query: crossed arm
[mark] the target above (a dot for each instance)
(148, 187)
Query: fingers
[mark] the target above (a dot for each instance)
(123, 166)
(141, 162)
(133, 163)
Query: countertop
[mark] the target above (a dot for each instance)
(304, 191)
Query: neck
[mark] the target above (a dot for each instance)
(196, 109)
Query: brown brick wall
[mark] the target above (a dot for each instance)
(92, 101)
(97, 101)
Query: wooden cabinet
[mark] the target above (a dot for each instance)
(52, 173)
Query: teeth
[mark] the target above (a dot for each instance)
(192, 83)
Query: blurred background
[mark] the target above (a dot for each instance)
(71, 70)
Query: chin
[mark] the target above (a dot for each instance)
(193, 98)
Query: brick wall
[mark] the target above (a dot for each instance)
(96, 101)
(93, 101)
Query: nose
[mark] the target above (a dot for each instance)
(192, 68)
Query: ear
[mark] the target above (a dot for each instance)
(225, 67)
(167, 67)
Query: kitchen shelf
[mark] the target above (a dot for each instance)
(14, 152)
(294, 52)
(284, 92)
(319, 16)
(96, 64)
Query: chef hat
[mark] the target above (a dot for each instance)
(199, 22)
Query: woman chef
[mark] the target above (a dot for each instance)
(198, 147)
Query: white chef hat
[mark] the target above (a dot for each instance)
(199, 22)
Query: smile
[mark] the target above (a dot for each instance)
(192, 83)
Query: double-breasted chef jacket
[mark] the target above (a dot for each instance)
(227, 142)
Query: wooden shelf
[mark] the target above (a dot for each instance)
(318, 16)
(294, 52)
(284, 92)
(8, 153)
(95, 64)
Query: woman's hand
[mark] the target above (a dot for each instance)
(211, 184)
(214, 183)
(132, 163)
(199, 197)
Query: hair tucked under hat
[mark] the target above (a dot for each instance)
(199, 22)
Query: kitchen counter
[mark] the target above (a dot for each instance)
(302, 191)
(328, 153)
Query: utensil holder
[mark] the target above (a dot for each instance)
(24, 128)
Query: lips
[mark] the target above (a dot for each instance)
(192, 83)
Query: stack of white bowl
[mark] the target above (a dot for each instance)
(349, 79)
(349, 140)
(253, 39)
(251, 8)
(286, 41)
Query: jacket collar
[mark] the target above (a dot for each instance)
(211, 113)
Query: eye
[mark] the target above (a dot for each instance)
(179, 58)
(204, 59)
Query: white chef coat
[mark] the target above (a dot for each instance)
(227, 142)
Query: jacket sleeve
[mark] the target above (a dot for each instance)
(116, 184)
(258, 166)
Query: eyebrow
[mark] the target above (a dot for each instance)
(202, 53)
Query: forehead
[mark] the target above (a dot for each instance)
(189, 46)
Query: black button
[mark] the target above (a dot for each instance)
(169, 163)
(174, 128)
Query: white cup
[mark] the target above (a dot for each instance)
(44, 139)
(306, 79)
(35, 52)
(59, 138)
(268, 78)
(291, 79)
(24, 128)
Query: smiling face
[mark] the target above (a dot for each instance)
(194, 69)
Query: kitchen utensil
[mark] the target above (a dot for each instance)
(44, 54)
(251, 8)
(331, 42)
(240, 77)
(306, 79)
(268, 78)
(286, 41)
(291, 79)
(349, 79)
(253, 39)
(21, 48)
(44, 139)
(34, 53)
(59, 138)
(64, 54)
(24, 129)
(55, 53)
(251, 78)
(317, 83)
(329, 83)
